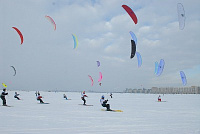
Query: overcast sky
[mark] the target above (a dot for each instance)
(47, 59)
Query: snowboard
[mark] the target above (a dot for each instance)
(112, 110)
(85, 105)
(43, 103)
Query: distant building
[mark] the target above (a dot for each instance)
(129, 90)
(166, 90)
(176, 90)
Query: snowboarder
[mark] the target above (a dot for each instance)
(65, 96)
(16, 96)
(83, 97)
(159, 98)
(39, 97)
(104, 103)
(3, 94)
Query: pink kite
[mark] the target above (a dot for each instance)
(52, 21)
(91, 79)
(100, 76)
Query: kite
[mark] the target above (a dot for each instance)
(156, 67)
(4, 84)
(160, 67)
(52, 21)
(133, 37)
(100, 77)
(139, 58)
(183, 78)
(133, 48)
(91, 80)
(131, 13)
(20, 34)
(14, 70)
(75, 41)
(181, 16)
(98, 63)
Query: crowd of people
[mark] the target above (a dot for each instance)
(39, 98)
(103, 101)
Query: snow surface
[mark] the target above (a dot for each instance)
(142, 114)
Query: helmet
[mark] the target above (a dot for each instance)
(102, 96)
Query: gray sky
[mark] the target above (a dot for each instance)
(47, 61)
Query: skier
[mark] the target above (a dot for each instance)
(16, 96)
(3, 94)
(83, 97)
(65, 96)
(39, 97)
(104, 103)
(159, 98)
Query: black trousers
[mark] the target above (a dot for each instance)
(84, 101)
(40, 100)
(17, 97)
(107, 106)
(4, 100)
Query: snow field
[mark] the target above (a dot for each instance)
(142, 114)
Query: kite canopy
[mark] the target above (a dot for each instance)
(75, 41)
(139, 58)
(91, 80)
(133, 48)
(160, 67)
(181, 16)
(133, 37)
(14, 70)
(100, 77)
(20, 34)
(98, 63)
(183, 78)
(131, 13)
(52, 21)
(4, 84)
(156, 67)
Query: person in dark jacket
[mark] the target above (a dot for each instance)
(16, 96)
(3, 94)
(104, 103)
(65, 96)
(110, 95)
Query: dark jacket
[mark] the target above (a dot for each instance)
(3, 94)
